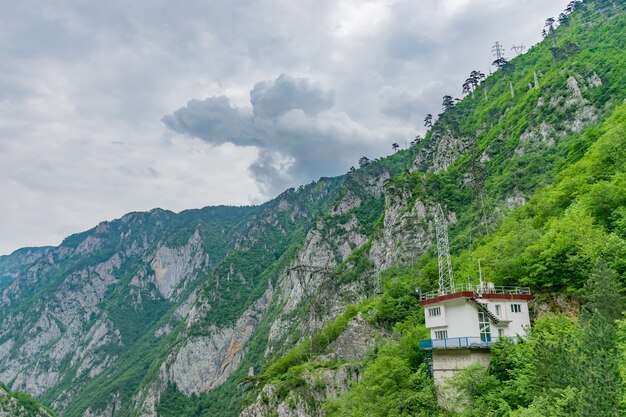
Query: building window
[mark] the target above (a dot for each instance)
(516, 308)
(484, 326)
(441, 334)
(498, 310)
(500, 332)
(434, 312)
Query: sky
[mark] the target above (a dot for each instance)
(108, 107)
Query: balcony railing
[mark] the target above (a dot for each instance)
(458, 343)
(478, 289)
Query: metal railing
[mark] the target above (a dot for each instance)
(458, 343)
(478, 289)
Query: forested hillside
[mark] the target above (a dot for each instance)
(554, 148)
(19, 404)
(306, 305)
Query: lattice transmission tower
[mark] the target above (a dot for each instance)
(498, 50)
(446, 278)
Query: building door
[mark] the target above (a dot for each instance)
(485, 327)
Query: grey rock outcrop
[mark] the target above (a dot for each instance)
(407, 232)
(442, 150)
(62, 332)
(14, 407)
(175, 266)
(318, 386)
(205, 362)
(354, 342)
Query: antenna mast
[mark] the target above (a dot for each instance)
(446, 279)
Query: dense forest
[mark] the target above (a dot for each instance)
(307, 305)
(567, 242)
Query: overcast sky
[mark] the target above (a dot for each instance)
(114, 106)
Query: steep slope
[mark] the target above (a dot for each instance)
(484, 157)
(301, 295)
(18, 261)
(211, 311)
(112, 294)
(18, 404)
(115, 316)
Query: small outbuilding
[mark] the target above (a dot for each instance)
(464, 324)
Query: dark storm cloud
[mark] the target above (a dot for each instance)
(213, 120)
(290, 122)
(272, 98)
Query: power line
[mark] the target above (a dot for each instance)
(554, 116)
(560, 112)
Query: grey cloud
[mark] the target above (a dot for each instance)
(213, 120)
(76, 76)
(400, 105)
(270, 171)
(292, 124)
(271, 98)
(404, 45)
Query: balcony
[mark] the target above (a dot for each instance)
(478, 290)
(458, 343)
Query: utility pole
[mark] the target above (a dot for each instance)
(536, 80)
(512, 91)
(446, 278)
(519, 49)
(481, 283)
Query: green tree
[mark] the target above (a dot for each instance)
(600, 384)
(447, 102)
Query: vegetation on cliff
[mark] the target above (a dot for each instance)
(530, 168)
(20, 404)
(568, 238)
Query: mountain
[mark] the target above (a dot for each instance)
(11, 266)
(306, 304)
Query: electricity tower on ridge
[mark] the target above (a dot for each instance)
(498, 50)
(446, 278)
(519, 49)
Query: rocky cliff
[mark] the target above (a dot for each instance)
(20, 405)
(168, 314)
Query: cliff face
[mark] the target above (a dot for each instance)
(11, 266)
(169, 314)
(20, 405)
(180, 295)
(330, 375)
(484, 157)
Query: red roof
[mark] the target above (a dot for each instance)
(470, 294)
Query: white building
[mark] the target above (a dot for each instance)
(464, 324)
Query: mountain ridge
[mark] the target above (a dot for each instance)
(158, 313)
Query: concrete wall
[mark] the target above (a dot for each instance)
(437, 321)
(445, 364)
(447, 361)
